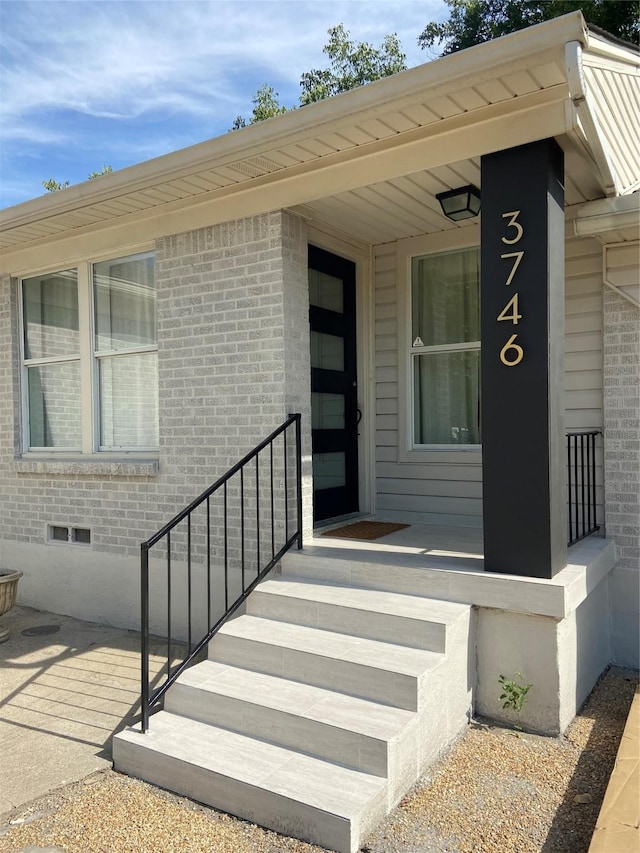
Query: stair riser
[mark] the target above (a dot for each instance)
(323, 740)
(396, 579)
(387, 628)
(243, 800)
(356, 679)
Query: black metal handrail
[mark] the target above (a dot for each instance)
(251, 512)
(581, 484)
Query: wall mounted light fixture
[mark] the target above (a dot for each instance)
(461, 203)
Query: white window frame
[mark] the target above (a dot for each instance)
(467, 237)
(89, 365)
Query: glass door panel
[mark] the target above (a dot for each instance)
(329, 470)
(327, 411)
(327, 351)
(332, 318)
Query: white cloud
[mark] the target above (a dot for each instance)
(105, 75)
(120, 60)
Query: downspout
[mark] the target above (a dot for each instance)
(587, 116)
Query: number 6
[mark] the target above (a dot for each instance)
(508, 346)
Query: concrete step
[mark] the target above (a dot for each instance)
(382, 672)
(406, 620)
(295, 794)
(334, 726)
(316, 710)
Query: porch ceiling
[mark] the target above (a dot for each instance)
(368, 162)
(393, 209)
(406, 206)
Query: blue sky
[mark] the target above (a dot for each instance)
(85, 83)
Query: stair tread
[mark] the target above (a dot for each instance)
(358, 715)
(374, 653)
(379, 601)
(321, 784)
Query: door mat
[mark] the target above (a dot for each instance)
(365, 530)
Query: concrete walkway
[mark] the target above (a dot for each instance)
(65, 687)
(618, 826)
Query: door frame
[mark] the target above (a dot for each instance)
(360, 253)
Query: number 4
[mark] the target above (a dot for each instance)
(513, 316)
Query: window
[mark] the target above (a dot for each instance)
(445, 351)
(90, 357)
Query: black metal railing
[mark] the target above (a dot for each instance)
(210, 557)
(581, 484)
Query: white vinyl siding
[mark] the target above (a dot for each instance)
(622, 270)
(583, 334)
(447, 487)
(584, 347)
(386, 353)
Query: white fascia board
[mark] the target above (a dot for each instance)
(598, 48)
(596, 218)
(445, 74)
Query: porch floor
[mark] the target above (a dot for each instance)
(430, 545)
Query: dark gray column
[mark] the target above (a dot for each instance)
(522, 304)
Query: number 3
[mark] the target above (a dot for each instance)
(512, 223)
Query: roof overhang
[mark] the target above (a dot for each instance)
(612, 220)
(552, 80)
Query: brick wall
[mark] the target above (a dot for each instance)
(224, 335)
(622, 466)
(233, 361)
(622, 426)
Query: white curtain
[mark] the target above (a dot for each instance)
(125, 321)
(50, 312)
(446, 382)
(125, 303)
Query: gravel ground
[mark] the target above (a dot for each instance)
(496, 791)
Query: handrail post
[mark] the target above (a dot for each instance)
(299, 477)
(144, 578)
(151, 698)
(593, 479)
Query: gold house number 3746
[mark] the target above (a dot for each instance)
(512, 353)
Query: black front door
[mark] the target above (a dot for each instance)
(334, 394)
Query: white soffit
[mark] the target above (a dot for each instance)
(369, 161)
(392, 210)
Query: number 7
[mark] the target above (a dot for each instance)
(518, 257)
